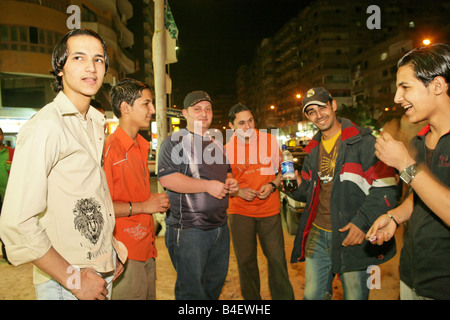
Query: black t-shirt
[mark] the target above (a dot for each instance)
(201, 158)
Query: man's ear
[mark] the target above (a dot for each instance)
(124, 107)
(440, 85)
(334, 105)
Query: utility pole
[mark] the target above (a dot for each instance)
(159, 69)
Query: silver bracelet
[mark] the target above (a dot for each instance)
(131, 209)
(393, 219)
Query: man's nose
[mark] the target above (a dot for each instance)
(90, 65)
(398, 98)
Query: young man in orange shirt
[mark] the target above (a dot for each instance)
(255, 209)
(125, 155)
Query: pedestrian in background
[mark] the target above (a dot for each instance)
(6, 156)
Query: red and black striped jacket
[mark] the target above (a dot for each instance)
(363, 189)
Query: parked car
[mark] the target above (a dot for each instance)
(291, 209)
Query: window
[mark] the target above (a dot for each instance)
(4, 33)
(33, 35)
(25, 91)
(27, 39)
(13, 32)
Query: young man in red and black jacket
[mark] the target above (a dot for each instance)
(346, 188)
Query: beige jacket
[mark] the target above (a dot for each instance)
(57, 193)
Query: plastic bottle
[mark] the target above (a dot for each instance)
(288, 171)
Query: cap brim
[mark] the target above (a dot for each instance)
(319, 103)
(197, 101)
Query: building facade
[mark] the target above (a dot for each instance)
(331, 44)
(29, 31)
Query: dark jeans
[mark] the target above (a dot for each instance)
(200, 259)
(270, 233)
(318, 274)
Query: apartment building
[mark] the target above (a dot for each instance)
(330, 44)
(29, 30)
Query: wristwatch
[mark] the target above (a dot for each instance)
(274, 187)
(409, 173)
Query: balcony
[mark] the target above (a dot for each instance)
(125, 8)
(125, 36)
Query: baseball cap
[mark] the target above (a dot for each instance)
(195, 97)
(319, 96)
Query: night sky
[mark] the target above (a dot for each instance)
(217, 36)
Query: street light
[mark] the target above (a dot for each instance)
(298, 95)
(426, 42)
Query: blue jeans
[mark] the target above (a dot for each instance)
(318, 274)
(200, 258)
(52, 290)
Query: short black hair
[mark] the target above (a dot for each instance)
(238, 107)
(127, 90)
(429, 62)
(59, 56)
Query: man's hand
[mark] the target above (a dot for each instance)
(217, 189)
(265, 191)
(355, 235)
(382, 230)
(92, 286)
(247, 194)
(158, 202)
(232, 185)
(392, 152)
(119, 269)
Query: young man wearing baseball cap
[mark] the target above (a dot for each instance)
(197, 177)
(345, 188)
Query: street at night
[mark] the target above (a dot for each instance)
(106, 106)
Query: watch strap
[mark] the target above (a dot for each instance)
(409, 173)
(274, 187)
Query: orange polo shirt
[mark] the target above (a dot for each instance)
(254, 165)
(129, 181)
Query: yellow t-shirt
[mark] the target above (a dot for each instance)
(327, 165)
